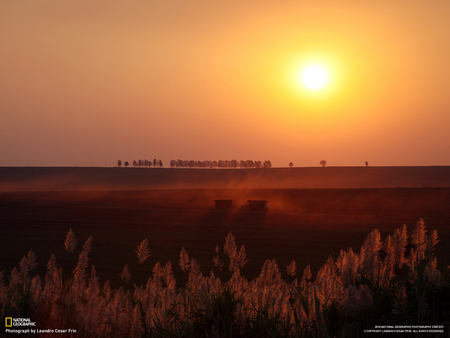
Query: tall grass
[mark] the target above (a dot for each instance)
(395, 281)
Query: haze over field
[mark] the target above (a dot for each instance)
(90, 82)
(96, 179)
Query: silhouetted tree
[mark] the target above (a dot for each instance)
(213, 164)
(119, 163)
(367, 164)
(323, 163)
(154, 162)
(267, 164)
(160, 163)
(291, 164)
(135, 163)
(126, 164)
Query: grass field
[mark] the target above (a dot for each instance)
(302, 224)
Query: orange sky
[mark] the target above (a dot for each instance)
(90, 82)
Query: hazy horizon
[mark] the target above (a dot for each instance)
(167, 166)
(88, 83)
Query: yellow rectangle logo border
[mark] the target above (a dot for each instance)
(6, 321)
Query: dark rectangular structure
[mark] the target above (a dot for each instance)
(223, 204)
(258, 204)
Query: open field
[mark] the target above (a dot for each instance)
(302, 224)
(84, 178)
(314, 213)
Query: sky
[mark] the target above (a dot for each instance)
(88, 82)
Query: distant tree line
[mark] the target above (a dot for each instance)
(222, 164)
(142, 163)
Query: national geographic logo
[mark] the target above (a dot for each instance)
(10, 322)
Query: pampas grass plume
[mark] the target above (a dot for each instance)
(70, 242)
(143, 251)
(184, 259)
(125, 274)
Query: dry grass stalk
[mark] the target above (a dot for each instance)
(70, 242)
(346, 284)
(143, 252)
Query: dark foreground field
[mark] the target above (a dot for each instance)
(302, 224)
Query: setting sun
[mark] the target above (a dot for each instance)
(314, 76)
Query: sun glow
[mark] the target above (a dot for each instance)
(314, 76)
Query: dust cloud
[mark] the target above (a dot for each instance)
(103, 179)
